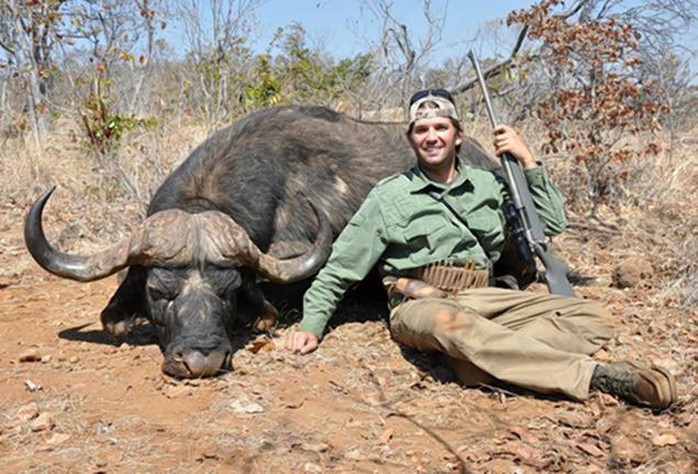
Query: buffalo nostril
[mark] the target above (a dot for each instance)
(193, 363)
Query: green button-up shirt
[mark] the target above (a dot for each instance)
(400, 226)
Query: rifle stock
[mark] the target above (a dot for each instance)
(556, 270)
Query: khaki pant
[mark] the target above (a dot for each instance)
(536, 341)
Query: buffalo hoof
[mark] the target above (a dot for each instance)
(268, 320)
(193, 364)
(115, 325)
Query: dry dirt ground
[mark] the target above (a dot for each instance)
(72, 400)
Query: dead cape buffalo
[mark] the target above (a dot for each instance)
(259, 200)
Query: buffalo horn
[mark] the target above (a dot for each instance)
(75, 267)
(165, 237)
(139, 249)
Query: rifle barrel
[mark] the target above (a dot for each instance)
(483, 87)
(556, 270)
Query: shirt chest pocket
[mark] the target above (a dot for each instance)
(487, 227)
(422, 236)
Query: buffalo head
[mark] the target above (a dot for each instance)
(189, 274)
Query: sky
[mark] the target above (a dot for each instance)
(347, 27)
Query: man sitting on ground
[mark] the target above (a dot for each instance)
(436, 266)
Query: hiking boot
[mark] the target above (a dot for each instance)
(636, 383)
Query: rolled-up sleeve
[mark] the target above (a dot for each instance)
(547, 199)
(354, 254)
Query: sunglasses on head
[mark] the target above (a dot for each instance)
(443, 93)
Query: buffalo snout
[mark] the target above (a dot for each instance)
(198, 362)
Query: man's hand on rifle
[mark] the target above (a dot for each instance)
(507, 140)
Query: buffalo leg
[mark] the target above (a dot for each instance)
(127, 303)
(268, 318)
(261, 311)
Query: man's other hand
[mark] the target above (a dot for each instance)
(507, 140)
(301, 342)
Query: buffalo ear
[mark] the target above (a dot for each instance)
(303, 266)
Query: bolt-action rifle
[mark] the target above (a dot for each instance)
(555, 270)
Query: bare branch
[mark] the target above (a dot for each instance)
(7, 48)
(497, 69)
(573, 9)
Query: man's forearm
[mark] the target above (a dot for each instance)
(320, 301)
(547, 200)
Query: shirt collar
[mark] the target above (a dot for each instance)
(420, 181)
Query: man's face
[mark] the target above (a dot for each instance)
(435, 141)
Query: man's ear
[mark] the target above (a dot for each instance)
(459, 137)
(410, 141)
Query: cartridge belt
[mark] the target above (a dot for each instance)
(437, 280)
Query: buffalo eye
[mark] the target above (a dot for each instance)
(160, 293)
(163, 284)
(222, 280)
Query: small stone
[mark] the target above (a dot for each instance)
(43, 448)
(209, 451)
(43, 422)
(31, 386)
(603, 355)
(385, 436)
(245, 406)
(27, 412)
(312, 468)
(293, 401)
(57, 438)
(374, 398)
(45, 359)
(628, 450)
(30, 355)
(665, 439)
(591, 449)
(630, 272)
(354, 455)
(315, 447)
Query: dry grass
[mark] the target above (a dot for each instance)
(96, 201)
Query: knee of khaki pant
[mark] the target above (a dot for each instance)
(426, 315)
(416, 323)
(432, 324)
(599, 330)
